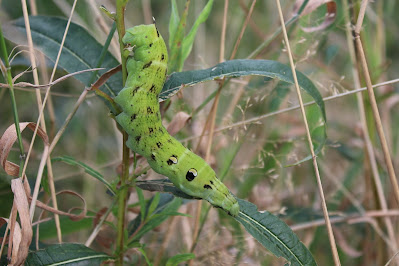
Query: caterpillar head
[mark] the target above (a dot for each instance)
(200, 181)
(140, 35)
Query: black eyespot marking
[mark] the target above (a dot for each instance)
(135, 90)
(158, 33)
(139, 77)
(152, 89)
(153, 156)
(163, 57)
(149, 110)
(172, 160)
(147, 65)
(138, 138)
(207, 187)
(146, 36)
(133, 117)
(211, 182)
(191, 174)
(150, 44)
(150, 129)
(159, 144)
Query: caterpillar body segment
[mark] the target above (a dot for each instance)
(141, 119)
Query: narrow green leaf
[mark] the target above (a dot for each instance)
(188, 41)
(175, 47)
(145, 256)
(167, 204)
(81, 50)
(273, 234)
(71, 161)
(154, 203)
(270, 231)
(173, 22)
(179, 258)
(63, 254)
(142, 204)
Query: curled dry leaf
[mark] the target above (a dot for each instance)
(73, 217)
(8, 139)
(20, 236)
(178, 122)
(312, 5)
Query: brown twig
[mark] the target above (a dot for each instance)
(373, 102)
(314, 160)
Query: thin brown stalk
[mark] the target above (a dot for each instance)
(223, 34)
(368, 145)
(315, 166)
(42, 111)
(373, 102)
(320, 222)
(244, 26)
(68, 119)
(169, 233)
(99, 225)
(215, 104)
(42, 121)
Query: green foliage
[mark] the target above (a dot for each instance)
(179, 258)
(66, 254)
(156, 211)
(274, 234)
(72, 161)
(81, 51)
(252, 157)
(180, 46)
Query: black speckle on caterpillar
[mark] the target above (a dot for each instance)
(140, 118)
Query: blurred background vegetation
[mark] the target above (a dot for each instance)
(262, 150)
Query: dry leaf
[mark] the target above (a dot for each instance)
(178, 122)
(312, 6)
(8, 139)
(21, 236)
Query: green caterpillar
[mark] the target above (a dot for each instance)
(141, 119)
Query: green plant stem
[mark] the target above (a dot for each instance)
(12, 95)
(124, 189)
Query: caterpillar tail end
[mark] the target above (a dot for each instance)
(234, 210)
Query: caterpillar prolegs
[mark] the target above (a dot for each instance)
(141, 119)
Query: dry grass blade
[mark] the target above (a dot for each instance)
(373, 103)
(315, 166)
(366, 135)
